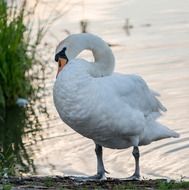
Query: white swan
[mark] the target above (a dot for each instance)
(114, 110)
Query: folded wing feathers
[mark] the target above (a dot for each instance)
(152, 106)
(159, 104)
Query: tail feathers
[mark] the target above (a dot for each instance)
(155, 131)
(175, 134)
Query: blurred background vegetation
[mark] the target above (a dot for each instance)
(20, 68)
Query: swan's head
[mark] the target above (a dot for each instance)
(68, 49)
(61, 59)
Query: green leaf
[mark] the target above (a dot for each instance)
(2, 99)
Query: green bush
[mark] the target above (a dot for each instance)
(15, 61)
(17, 77)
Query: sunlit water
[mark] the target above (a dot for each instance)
(156, 46)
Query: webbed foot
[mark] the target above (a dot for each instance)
(97, 177)
(133, 178)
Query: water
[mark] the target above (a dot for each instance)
(155, 46)
(15, 157)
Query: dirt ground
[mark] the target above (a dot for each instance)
(60, 183)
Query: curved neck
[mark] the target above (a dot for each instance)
(103, 56)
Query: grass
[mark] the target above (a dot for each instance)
(14, 58)
(20, 68)
(7, 187)
(18, 53)
(129, 186)
(48, 182)
(61, 183)
(174, 185)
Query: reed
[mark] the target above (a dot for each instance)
(16, 58)
(20, 68)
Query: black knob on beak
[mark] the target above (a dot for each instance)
(61, 54)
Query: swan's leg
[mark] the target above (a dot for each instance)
(100, 167)
(136, 154)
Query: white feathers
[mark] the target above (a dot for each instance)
(115, 110)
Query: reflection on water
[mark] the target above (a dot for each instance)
(19, 130)
(14, 155)
(158, 50)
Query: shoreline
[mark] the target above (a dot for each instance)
(59, 182)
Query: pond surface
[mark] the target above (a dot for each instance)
(151, 39)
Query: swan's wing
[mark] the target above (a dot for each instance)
(126, 103)
(133, 90)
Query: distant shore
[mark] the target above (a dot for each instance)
(60, 183)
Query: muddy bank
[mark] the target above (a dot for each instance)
(57, 182)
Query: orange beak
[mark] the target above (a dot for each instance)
(61, 63)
